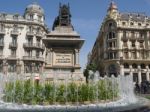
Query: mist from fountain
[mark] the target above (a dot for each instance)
(123, 83)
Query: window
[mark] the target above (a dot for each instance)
(31, 17)
(142, 55)
(135, 77)
(143, 66)
(37, 54)
(15, 17)
(13, 52)
(143, 75)
(125, 44)
(139, 24)
(39, 18)
(110, 24)
(30, 41)
(1, 67)
(131, 23)
(37, 68)
(15, 28)
(30, 29)
(28, 68)
(147, 24)
(123, 23)
(126, 55)
(126, 65)
(14, 40)
(112, 55)
(12, 67)
(124, 33)
(1, 52)
(3, 16)
(1, 39)
(29, 53)
(134, 65)
(2, 27)
(126, 74)
(133, 44)
(110, 44)
(133, 55)
(132, 34)
(141, 44)
(111, 35)
(38, 40)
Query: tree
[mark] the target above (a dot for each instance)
(92, 67)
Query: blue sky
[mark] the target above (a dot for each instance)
(87, 15)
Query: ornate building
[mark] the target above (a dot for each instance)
(21, 46)
(123, 45)
(63, 45)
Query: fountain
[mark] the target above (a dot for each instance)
(106, 94)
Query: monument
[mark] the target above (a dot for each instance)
(63, 46)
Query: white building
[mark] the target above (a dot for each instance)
(21, 47)
(21, 43)
(123, 45)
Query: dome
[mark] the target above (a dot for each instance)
(34, 8)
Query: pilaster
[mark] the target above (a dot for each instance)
(139, 74)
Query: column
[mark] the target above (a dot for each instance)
(49, 56)
(131, 71)
(121, 69)
(147, 73)
(76, 57)
(139, 74)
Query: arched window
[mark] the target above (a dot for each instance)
(111, 35)
(110, 25)
(134, 65)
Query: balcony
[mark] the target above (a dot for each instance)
(30, 33)
(13, 45)
(14, 32)
(132, 38)
(112, 48)
(33, 46)
(12, 57)
(39, 34)
(2, 31)
(33, 58)
(141, 39)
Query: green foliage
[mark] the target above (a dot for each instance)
(86, 71)
(29, 92)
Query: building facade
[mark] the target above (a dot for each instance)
(21, 46)
(123, 45)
